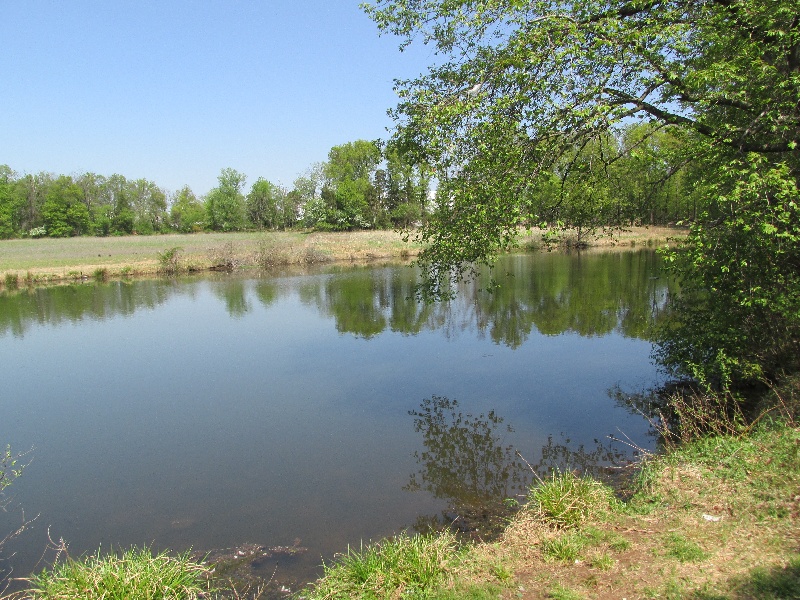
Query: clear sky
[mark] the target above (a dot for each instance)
(175, 90)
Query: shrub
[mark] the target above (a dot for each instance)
(12, 281)
(168, 260)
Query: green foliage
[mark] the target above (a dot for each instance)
(567, 500)
(9, 204)
(685, 550)
(9, 469)
(225, 204)
(265, 205)
(411, 567)
(738, 319)
(187, 213)
(348, 185)
(64, 212)
(533, 115)
(136, 573)
(169, 260)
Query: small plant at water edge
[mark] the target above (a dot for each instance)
(168, 260)
(135, 573)
(12, 281)
(403, 566)
(566, 500)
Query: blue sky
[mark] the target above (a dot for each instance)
(174, 91)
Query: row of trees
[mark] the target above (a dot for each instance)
(362, 186)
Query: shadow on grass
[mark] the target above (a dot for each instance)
(774, 583)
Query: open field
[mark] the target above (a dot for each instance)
(47, 260)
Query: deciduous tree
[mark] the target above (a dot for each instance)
(225, 204)
(523, 91)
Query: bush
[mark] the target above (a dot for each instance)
(168, 260)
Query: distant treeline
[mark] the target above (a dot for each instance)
(360, 186)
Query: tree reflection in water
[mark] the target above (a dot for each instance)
(465, 462)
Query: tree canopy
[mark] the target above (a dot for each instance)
(518, 118)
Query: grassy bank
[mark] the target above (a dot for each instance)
(51, 260)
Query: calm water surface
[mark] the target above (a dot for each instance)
(316, 410)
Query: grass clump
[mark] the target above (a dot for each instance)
(403, 566)
(11, 281)
(566, 548)
(561, 592)
(136, 573)
(567, 500)
(603, 562)
(685, 550)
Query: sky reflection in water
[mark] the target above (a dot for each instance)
(327, 408)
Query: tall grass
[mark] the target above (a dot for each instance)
(567, 500)
(135, 574)
(404, 566)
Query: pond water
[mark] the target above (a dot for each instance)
(316, 410)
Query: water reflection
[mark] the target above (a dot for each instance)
(233, 293)
(211, 412)
(465, 462)
(590, 295)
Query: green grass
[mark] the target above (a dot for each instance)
(466, 592)
(135, 574)
(566, 500)
(561, 592)
(685, 550)
(782, 583)
(403, 566)
(603, 562)
(567, 547)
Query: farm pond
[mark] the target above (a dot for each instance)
(302, 413)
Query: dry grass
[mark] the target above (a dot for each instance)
(36, 261)
(719, 520)
(50, 260)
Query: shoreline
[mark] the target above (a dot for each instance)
(48, 261)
